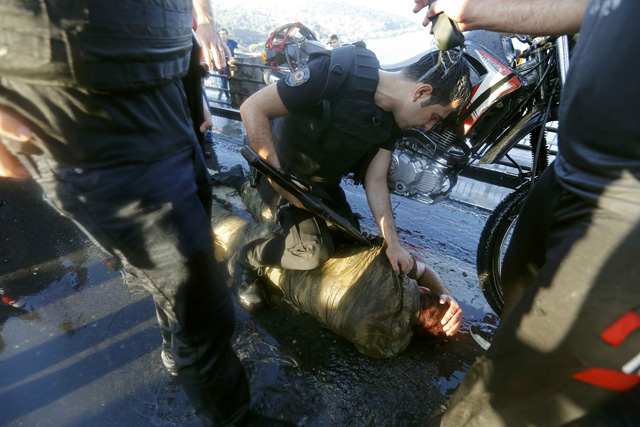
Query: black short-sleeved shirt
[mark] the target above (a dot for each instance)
(599, 140)
(356, 129)
(84, 129)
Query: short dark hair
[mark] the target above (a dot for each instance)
(224, 29)
(431, 313)
(333, 37)
(450, 79)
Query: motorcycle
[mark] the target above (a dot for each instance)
(516, 94)
(515, 97)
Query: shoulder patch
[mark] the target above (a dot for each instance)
(298, 77)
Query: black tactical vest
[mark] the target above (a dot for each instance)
(352, 79)
(102, 45)
(345, 131)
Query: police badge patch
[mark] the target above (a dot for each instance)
(298, 77)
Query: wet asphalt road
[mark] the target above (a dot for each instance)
(79, 348)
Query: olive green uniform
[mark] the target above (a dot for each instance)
(356, 293)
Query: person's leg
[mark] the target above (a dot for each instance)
(157, 223)
(224, 84)
(305, 245)
(227, 93)
(549, 363)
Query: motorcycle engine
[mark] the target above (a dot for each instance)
(425, 165)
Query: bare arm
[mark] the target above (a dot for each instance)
(212, 46)
(256, 113)
(429, 279)
(534, 17)
(378, 197)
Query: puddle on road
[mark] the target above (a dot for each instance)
(303, 372)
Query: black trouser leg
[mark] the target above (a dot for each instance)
(158, 225)
(305, 245)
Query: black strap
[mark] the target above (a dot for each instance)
(312, 203)
(341, 62)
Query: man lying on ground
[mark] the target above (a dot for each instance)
(356, 293)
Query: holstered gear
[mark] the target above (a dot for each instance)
(96, 45)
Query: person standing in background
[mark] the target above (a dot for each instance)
(231, 45)
(334, 41)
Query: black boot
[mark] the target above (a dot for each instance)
(234, 178)
(251, 294)
(247, 283)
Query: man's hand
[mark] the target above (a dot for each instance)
(208, 123)
(533, 17)
(290, 197)
(377, 191)
(213, 49)
(12, 128)
(454, 9)
(453, 317)
(429, 280)
(400, 259)
(212, 46)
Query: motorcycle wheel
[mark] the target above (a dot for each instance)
(493, 244)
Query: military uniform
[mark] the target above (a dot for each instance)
(356, 293)
(359, 297)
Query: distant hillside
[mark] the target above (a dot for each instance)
(250, 24)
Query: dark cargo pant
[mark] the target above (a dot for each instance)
(156, 219)
(570, 279)
(305, 245)
(307, 241)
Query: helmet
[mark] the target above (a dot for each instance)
(288, 47)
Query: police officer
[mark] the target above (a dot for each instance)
(568, 342)
(322, 135)
(92, 102)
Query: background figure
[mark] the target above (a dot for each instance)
(568, 342)
(334, 41)
(232, 45)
